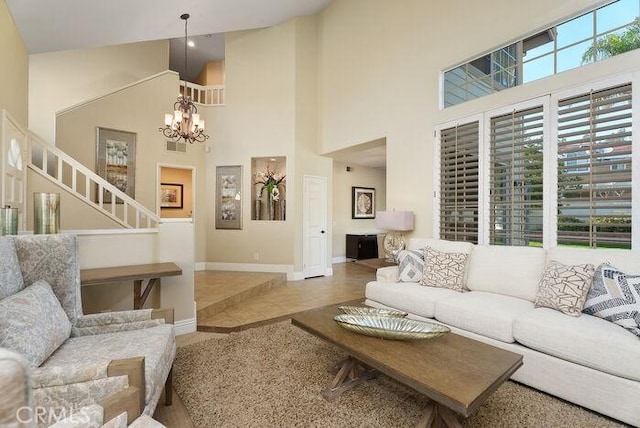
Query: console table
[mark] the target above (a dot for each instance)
(362, 247)
(137, 273)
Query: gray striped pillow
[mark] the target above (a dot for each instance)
(411, 265)
(615, 297)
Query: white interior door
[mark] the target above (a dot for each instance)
(14, 156)
(315, 226)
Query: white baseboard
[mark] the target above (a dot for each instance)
(185, 326)
(340, 259)
(200, 266)
(328, 272)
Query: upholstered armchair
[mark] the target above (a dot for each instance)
(119, 360)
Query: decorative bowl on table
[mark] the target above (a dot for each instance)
(366, 310)
(390, 327)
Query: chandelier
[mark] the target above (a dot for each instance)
(184, 123)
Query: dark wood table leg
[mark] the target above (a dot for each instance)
(140, 295)
(351, 373)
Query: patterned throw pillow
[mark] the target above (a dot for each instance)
(410, 265)
(33, 323)
(564, 287)
(10, 273)
(444, 270)
(615, 297)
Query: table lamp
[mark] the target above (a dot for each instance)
(395, 222)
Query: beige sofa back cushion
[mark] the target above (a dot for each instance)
(512, 271)
(625, 260)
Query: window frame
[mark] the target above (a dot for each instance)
(549, 102)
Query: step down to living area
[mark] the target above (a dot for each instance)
(216, 291)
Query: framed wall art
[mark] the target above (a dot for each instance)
(171, 195)
(116, 160)
(363, 202)
(228, 197)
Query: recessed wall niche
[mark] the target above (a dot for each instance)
(269, 195)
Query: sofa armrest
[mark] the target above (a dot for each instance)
(114, 328)
(14, 384)
(119, 317)
(388, 274)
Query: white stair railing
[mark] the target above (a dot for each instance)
(212, 95)
(86, 185)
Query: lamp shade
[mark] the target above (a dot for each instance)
(394, 220)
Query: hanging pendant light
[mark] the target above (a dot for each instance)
(184, 123)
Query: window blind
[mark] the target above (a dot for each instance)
(515, 181)
(459, 183)
(594, 168)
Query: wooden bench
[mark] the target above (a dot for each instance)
(137, 273)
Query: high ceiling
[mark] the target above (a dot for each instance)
(47, 25)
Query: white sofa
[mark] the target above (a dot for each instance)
(585, 360)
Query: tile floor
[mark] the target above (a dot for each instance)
(347, 284)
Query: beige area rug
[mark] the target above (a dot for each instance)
(272, 376)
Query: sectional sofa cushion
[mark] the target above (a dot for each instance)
(440, 245)
(408, 296)
(615, 297)
(33, 323)
(410, 265)
(442, 269)
(565, 287)
(483, 313)
(156, 344)
(10, 275)
(509, 271)
(585, 340)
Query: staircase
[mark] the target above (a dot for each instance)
(70, 175)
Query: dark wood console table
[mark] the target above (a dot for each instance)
(136, 273)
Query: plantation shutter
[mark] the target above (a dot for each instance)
(459, 183)
(594, 168)
(515, 180)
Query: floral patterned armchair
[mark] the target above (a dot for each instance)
(118, 359)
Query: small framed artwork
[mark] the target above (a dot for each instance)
(228, 197)
(363, 202)
(171, 195)
(116, 160)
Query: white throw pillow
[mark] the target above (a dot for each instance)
(33, 323)
(444, 270)
(410, 265)
(615, 297)
(564, 287)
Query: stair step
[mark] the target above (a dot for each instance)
(224, 289)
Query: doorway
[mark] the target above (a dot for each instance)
(315, 226)
(176, 191)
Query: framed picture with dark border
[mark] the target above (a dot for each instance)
(228, 209)
(363, 202)
(171, 195)
(116, 160)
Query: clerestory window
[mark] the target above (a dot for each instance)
(601, 33)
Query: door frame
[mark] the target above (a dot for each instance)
(305, 233)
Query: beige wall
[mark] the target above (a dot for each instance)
(379, 71)
(58, 80)
(343, 180)
(178, 176)
(257, 121)
(212, 74)
(139, 109)
(14, 70)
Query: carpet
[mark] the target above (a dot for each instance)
(272, 376)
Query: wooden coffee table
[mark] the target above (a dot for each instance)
(456, 373)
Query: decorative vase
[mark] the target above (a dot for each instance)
(257, 207)
(8, 221)
(272, 207)
(46, 213)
